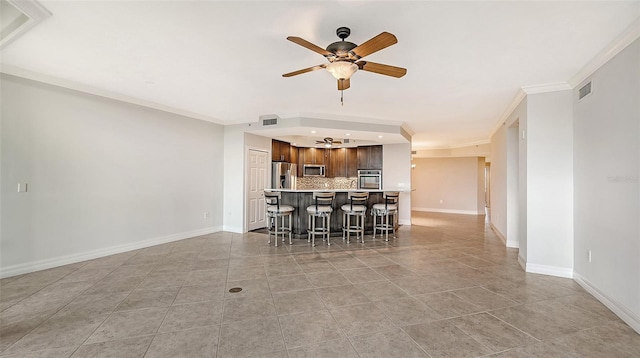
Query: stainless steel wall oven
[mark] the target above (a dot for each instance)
(370, 179)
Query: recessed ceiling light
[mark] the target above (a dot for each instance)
(313, 132)
(379, 136)
(348, 134)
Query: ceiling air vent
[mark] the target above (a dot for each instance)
(346, 141)
(270, 121)
(584, 91)
(413, 152)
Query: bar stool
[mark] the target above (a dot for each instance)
(322, 208)
(276, 211)
(356, 208)
(383, 211)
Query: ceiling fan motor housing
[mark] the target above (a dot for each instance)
(342, 47)
(343, 32)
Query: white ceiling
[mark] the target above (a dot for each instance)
(222, 61)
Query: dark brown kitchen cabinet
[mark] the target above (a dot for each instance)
(343, 162)
(370, 157)
(280, 151)
(293, 155)
(313, 156)
(352, 162)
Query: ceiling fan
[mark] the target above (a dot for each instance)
(328, 142)
(342, 56)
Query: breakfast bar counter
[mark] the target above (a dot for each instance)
(300, 199)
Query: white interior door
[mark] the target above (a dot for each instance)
(257, 171)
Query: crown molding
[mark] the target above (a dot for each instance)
(515, 102)
(58, 82)
(33, 10)
(546, 87)
(455, 146)
(621, 42)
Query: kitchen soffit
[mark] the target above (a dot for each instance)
(305, 130)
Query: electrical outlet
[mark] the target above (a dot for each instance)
(589, 255)
(22, 187)
(205, 215)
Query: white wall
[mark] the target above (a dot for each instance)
(455, 181)
(236, 144)
(481, 201)
(504, 178)
(103, 176)
(607, 197)
(234, 178)
(396, 174)
(533, 182)
(549, 183)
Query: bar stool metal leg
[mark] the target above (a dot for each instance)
(289, 218)
(327, 222)
(313, 233)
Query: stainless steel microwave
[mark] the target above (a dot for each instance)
(313, 170)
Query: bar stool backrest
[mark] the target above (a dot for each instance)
(357, 198)
(272, 198)
(323, 198)
(390, 198)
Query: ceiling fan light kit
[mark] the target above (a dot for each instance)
(342, 70)
(328, 142)
(342, 56)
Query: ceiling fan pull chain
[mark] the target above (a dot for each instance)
(342, 98)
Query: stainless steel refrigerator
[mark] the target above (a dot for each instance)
(283, 175)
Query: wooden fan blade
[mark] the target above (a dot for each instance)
(336, 142)
(310, 46)
(344, 84)
(305, 70)
(392, 71)
(376, 44)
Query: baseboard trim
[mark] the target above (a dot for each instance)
(94, 254)
(513, 244)
(234, 229)
(498, 233)
(508, 243)
(448, 211)
(549, 270)
(625, 314)
(522, 262)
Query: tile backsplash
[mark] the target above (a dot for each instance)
(326, 183)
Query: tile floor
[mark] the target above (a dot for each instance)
(447, 287)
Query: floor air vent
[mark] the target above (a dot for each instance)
(584, 91)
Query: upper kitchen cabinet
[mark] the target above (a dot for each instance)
(280, 151)
(313, 156)
(293, 155)
(370, 157)
(343, 162)
(352, 162)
